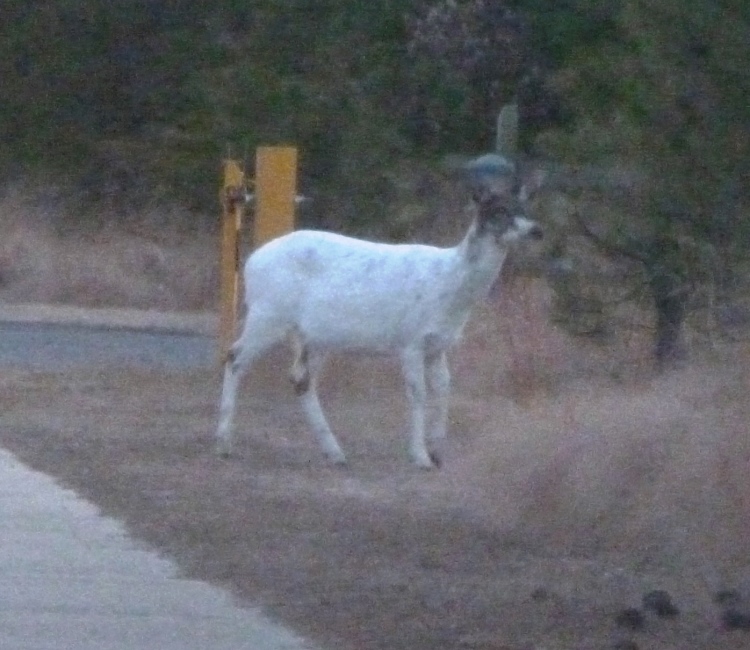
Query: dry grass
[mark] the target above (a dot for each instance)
(656, 469)
(140, 267)
(574, 472)
(592, 492)
(587, 461)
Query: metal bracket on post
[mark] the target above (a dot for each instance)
(506, 136)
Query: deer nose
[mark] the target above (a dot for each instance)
(536, 232)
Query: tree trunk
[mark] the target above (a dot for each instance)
(670, 302)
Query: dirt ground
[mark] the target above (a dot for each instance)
(553, 512)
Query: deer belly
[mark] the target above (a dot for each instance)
(362, 325)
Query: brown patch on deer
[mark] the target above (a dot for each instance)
(231, 358)
(300, 373)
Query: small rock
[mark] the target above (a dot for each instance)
(540, 595)
(660, 602)
(735, 619)
(631, 618)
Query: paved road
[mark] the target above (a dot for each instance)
(71, 579)
(47, 346)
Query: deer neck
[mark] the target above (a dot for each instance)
(481, 258)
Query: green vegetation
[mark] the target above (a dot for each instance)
(135, 99)
(666, 97)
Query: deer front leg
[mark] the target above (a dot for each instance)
(413, 367)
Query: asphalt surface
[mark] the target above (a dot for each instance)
(72, 579)
(45, 347)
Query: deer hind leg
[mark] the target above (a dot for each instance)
(438, 385)
(304, 375)
(258, 335)
(413, 367)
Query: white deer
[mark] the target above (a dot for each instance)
(334, 293)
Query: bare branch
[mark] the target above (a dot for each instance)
(605, 244)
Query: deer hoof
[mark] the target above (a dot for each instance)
(222, 451)
(425, 462)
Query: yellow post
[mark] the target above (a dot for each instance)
(275, 192)
(232, 203)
